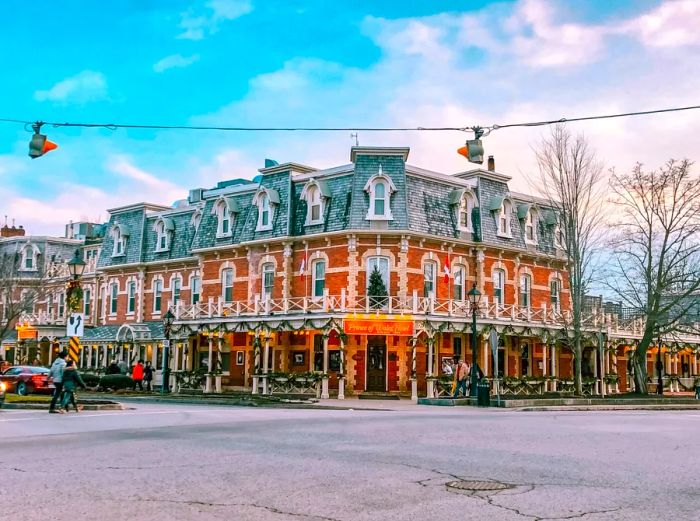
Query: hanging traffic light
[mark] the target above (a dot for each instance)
(473, 150)
(39, 145)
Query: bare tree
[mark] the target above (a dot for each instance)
(657, 250)
(18, 294)
(570, 177)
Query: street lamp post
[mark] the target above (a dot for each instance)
(167, 324)
(474, 298)
(76, 268)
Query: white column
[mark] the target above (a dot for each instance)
(553, 366)
(175, 346)
(431, 383)
(217, 378)
(341, 379)
(414, 375)
(544, 366)
(266, 357)
(208, 385)
(324, 381)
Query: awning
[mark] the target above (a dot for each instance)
(496, 203)
(523, 208)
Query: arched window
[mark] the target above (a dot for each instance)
(264, 211)
(525, 290)
(555, 294)
(157, 295)
(176, 286)
(131, 297)
(315, 193)
(531, 226)
(499, 282)
(466, 205)
(266, 199)
(227, 285)
(268, 280)
(223, 219)
(119, 237)
(163, 229)
(318, 272)
(28, 261)
(380, 187)
(429, 269)
(559, 237)
(504, 216)
(458, 292)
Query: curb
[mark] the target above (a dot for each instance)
(85, 407)
(555, 408)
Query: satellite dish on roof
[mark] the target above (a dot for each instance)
(270, 162)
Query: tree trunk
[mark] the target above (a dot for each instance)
(577, 364)
(639, 363)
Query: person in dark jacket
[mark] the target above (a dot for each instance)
(113, 368)
(71, 380)
(148, 375)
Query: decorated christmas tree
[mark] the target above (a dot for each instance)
(376, 290)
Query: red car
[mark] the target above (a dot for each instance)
(26, 379)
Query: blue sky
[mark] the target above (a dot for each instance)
(255, 63)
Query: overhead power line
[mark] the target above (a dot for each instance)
(483, 130)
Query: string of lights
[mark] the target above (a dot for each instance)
(477, 129)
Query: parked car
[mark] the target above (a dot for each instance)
(2, 393)
(27, 379)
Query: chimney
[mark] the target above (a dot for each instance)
(6, 231)
(492, 164)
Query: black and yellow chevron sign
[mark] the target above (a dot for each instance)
(74, 349)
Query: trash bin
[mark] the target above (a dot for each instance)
(483, 394)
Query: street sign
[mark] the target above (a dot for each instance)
(75, 325)
(74, 349)
(166, 343)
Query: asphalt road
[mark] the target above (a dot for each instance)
(172, 462)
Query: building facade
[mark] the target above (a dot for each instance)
(359, 274)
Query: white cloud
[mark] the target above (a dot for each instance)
(672, 24)
(198, 23)
(175, 61)
(146, 183)
(84, 87)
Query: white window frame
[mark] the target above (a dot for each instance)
(314, 200)
(268, 270)
(315, 278)
(499, 285)
(227, 284)
(87, 303)
(555, 294)
(175, 289)
(119, 246)
(379, 260)
(223, 216)
(466, 204)
(162, 237)
(459, 275)
(61, 304)
(558, 236)
(264, 213)
(504, 216)
(29, 252)
(371, 189)
(195, 289)
(157, 296)
(113, 298)
(531, 226)
(131, 297)
(429, 277)
(525, 294)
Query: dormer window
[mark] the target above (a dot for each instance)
(164, 228)
(559, 237)
(28, 260)
(266, 200)
(119, 236)
(464, 212)
(531, 226)
(315, 193)
(504, 210)
(225, 209)
(380, 187)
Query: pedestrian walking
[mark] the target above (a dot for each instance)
(462, 374)
(148, 375)
(71, 380)
(113, 368)
(56, 374)
(447, 368)
(137, 375)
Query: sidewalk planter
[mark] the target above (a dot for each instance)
(515, 386)
(294, 383)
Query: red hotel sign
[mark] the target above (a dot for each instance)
(378, 326)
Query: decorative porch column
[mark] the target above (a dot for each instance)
(176, 361)
(544, 366)
(553, 365)
(341, 376)
(256, 358)
(431, 383)
(217, 378)
(324, 380)
(266, 360)
(414, 375)
(208, 385)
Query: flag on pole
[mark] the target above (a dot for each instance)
(302, 270)
(446, 278)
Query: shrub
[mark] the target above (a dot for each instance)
(116, 381)
(91, 380)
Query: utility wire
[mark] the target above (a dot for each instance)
(114, 126)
